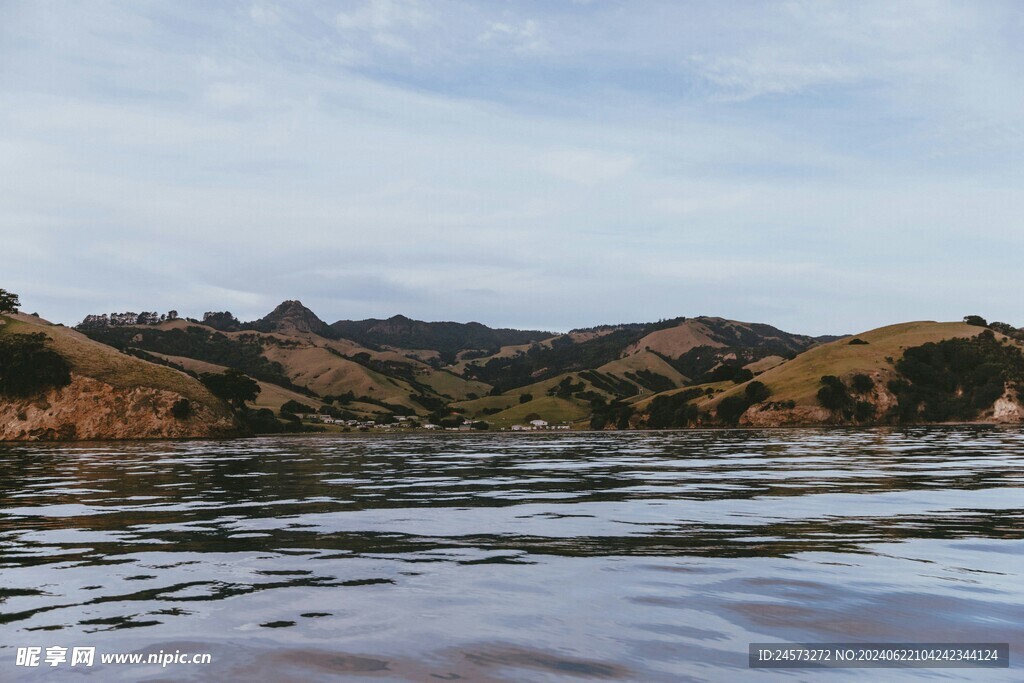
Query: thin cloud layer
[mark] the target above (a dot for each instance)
(822, 167)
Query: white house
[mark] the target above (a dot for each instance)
(539, 424)
(521, 428)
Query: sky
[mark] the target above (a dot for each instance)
(549, 164)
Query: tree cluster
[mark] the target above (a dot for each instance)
(848, 402)
(731, 408)
(616, 413)
(232, 385)
(956, 379)
(673, 411)
(28, 366)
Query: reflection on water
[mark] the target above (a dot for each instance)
(631, 556)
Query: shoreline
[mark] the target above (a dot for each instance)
(527, 434)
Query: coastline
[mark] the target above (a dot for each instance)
(381, 434)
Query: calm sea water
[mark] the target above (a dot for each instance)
(590, 557)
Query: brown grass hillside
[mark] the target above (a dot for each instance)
(106, 364)
(798, 380)
(271, 396)
(675, 341)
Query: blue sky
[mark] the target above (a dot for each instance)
(824, 167)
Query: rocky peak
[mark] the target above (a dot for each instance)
(292, 316)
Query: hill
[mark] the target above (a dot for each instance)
(375, 368)
(683, 371)
(447, 338)
(881, 376)
(291, 317)
(108, 395)
(691, 346)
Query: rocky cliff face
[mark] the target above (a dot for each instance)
(1007, 408)
(88, 409)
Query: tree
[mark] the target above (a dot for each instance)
(293, 406)
(232, 385)
(8, 302)
(28, 367)
(833, 394)
(862, 383)
(731, 408)
(975, 320)
(673, 412)
(182, 409)
(757, 392)
(742, 375)
(525, 398)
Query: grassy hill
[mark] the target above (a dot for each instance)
(271, 396)
(84, 390)
(798, 380)
(447, 338)
(956, 372)
(298, 361)
(101, 362)
(432, 369)
(550, 408)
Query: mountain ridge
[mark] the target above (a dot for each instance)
(704, 368)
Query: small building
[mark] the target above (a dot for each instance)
(431, 425)
(521, 428)
(539, 424)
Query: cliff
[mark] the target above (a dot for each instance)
(88, 409)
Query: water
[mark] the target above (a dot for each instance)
(501, 557)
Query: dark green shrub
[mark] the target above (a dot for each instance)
(862, 383)
(833, 394)
(652, 381)
(525, 398)
(603, 414)
(864, 411)
(731, 408)
(233, 386)
(182, 409)
(757, 392)
(673, 412)
(293, 406)
(742, 375)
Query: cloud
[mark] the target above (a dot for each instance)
(585, 166)
(385, 21)
(522, 36)
(544, 165)
(744, 77)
